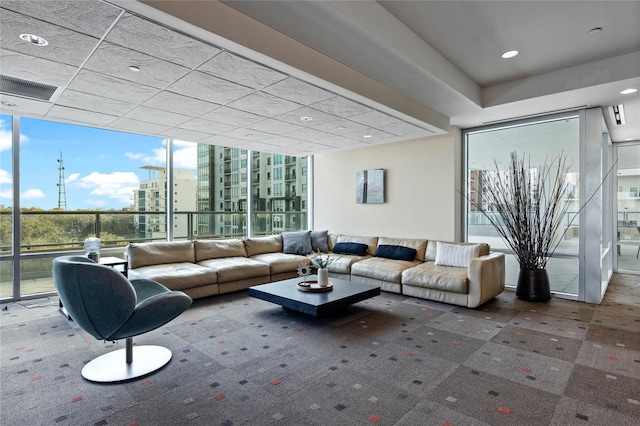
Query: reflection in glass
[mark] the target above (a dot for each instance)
(489, 151)
(628, 223)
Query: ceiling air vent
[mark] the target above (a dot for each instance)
(617, 114)
(26, 88)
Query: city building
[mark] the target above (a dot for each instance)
(151, 198)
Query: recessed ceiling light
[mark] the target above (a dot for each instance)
(595, 30)
(628, 91)
(341, 128)
(34, 39)
(509, 54)
(367, 136)
(306, 118)
(134, 68)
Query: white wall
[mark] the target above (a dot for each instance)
(421, 200)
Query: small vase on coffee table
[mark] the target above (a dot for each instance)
(323, 277)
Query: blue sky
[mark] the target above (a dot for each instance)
(101, 168)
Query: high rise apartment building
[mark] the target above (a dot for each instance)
(230, 178)
(151, 198)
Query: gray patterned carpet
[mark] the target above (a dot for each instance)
(391, 360)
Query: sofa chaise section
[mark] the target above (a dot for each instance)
(470, 286)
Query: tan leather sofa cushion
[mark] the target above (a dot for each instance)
(432, 246)
(177, 276)
(281, 262)
(372, 242)
(419, 245)
(231, 269)
(342, 263)
(160, 253)
(444, 278)
(214, 249)
(261, 245)
(382, 269)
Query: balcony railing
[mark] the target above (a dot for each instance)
(48, 234)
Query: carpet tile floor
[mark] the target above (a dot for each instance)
(390, 360)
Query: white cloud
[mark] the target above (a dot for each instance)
(5, 136)
(5, 177)
(72, 177)
(32, 194)
(185, 155)
(134, 156)
(117, 185)
(157, 157)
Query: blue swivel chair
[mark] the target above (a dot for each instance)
(104, 303)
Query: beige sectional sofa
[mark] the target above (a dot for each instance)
(427, 276)
(204, 268)
(457, 273)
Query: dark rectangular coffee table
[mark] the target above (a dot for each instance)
(286, 294)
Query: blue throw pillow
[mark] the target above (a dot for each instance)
(296, 242)
(319, 241)
(358, 249)
(396, 252)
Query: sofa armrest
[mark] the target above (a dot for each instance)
(486, 278)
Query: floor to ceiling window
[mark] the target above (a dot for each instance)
(77, 182)
(489, 149)
(279, 193)
(628, 207)
(582, 263)
(6, 206)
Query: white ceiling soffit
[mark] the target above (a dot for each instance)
(446, 54)
(200, 87)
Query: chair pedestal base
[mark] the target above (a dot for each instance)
(113, 366)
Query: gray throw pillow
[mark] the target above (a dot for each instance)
(296, 242)
(319, 241)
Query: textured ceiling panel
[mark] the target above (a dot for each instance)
(89, 17)
(29, 67)
(114, 60)
(307, 117)
(264, 105)
(157, 116)
(80, 116)
(232, 117)
(95, 103)
(60, 39)
(273, 126)
(208, 88)
(207, 126)
(111, 87)
(242, 71)
(298, 91)
(155, 40)
(168, 101)
(135, 126)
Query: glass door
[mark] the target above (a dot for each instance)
(628, 207)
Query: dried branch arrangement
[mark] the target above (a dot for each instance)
(530, 204)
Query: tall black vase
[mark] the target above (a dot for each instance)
(533, 285)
